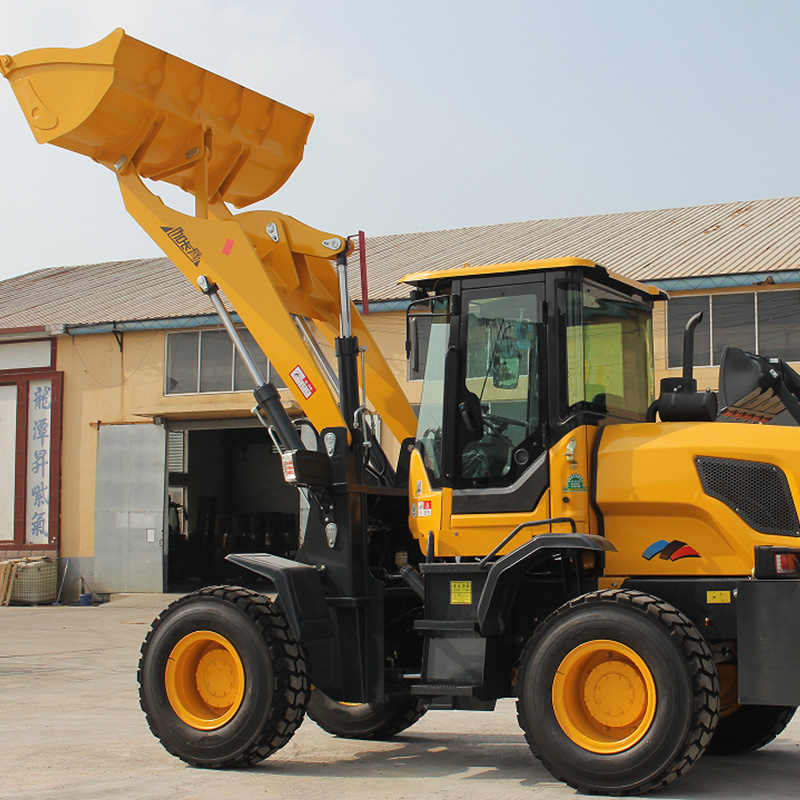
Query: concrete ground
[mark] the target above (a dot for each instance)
(71, 729)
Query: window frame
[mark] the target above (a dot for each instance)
(534, 443)
(199, 360)
(755, 295)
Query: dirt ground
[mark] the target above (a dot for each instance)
(71, 729)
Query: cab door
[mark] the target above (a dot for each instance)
(499, 461)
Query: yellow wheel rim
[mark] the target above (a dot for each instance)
(204, 680)
(604, 696)
(728, 689)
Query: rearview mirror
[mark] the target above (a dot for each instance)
(421, 313)
(506, 365)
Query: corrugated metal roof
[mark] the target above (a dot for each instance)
(727, 238)
(96, 293)
(761, 236)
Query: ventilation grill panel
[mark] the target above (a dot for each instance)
(759, 493)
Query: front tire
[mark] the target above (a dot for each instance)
(617, 693)
(364, 720)
(222, 680)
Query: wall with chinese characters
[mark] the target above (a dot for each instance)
(40, 440)
(30, 449)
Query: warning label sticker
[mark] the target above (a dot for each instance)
(460, 593)
(424, 508)
(302, 382)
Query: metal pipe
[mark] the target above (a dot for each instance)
(313, 345)
(211, 290)
(522, 527)
(688, 348)
(345, 322)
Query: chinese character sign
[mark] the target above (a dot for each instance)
(8, 452)
(37, 501)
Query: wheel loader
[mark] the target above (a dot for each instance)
(625, 565)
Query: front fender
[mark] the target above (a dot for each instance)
(500, 589)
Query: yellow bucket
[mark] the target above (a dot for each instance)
(122, 101)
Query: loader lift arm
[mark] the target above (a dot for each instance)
(146, 114)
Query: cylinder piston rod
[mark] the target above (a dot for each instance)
(266, 394)
(345, 321)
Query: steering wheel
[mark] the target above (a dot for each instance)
(500, 420)
(497, 425)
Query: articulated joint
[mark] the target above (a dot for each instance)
(206, 286)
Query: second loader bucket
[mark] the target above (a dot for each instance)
(121, 100)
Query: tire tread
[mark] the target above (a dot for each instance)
(408, 711)
(291, 687)
(702, 671)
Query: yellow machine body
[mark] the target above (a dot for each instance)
(649, 489)
(474, 535)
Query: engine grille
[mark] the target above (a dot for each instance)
(759, 493)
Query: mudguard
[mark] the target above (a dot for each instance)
(303, 602)
(500, 589)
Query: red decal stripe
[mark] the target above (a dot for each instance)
(684, 552)
(228, 247)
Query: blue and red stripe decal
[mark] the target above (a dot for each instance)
(670, 551)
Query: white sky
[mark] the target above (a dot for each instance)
(440, 114)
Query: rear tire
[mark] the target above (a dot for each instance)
(742, 729)
(617, 693)
(749, 728)
(222, 680)
(364, 720)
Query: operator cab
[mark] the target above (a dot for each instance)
(514, 357)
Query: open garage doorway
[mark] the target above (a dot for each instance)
(226, 495)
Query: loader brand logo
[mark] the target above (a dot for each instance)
(670, 551)
(575, 483)
(460, 593)
(302, 382)
(186, 247)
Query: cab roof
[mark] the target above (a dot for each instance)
(429, 280)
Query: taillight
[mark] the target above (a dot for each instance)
(777, 562)
(787, 564)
